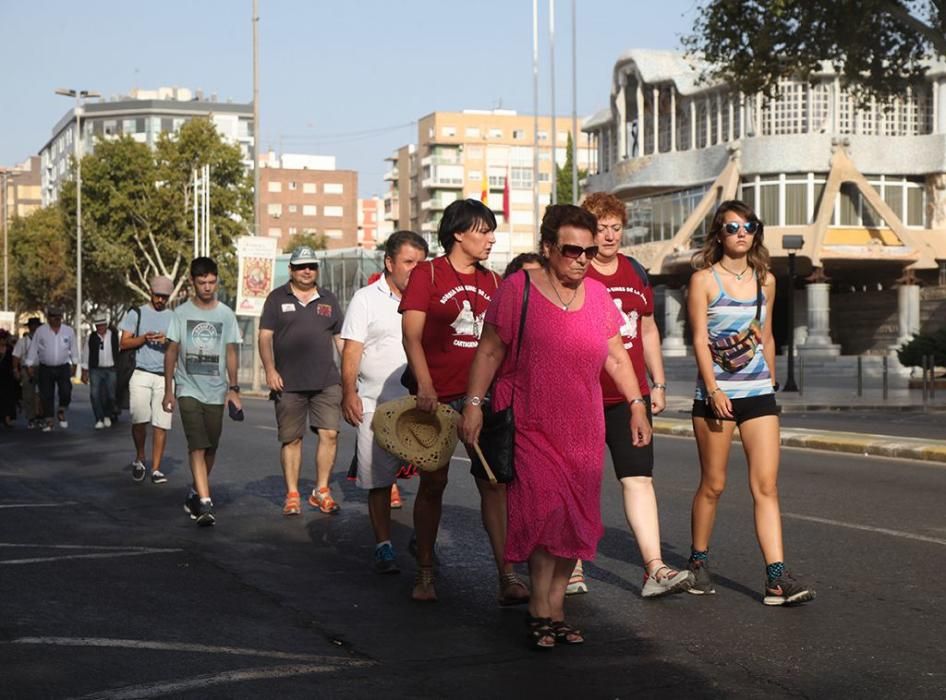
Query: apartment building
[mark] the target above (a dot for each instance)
(22, 194)
(373, 229)
(462, 154)
(143, 115)
(306, 194)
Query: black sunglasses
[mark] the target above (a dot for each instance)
(732, 228)
(309, 266)
(573, 252)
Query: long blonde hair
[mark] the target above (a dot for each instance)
(712, 250)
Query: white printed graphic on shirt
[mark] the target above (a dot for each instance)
(466, 324)
(628, 325)
(203, 347)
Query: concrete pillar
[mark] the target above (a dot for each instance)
(622, 123)
(818, 343)
(656, 118)
(673, 118)
(674, 317)
(641, 140)
(908, 312)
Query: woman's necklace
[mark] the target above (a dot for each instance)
(555, 289)
(737, 275)
(466, 293)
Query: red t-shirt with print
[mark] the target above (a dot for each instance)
(633, 300)
(455, 305)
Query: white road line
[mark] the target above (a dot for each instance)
(266, 427)
(180, 646)
(38, 505)
(100, 555)
(153, 690)
(119, 548)
(866, 528)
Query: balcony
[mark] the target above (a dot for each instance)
(440, 182)
(439, 160)
(437, 203)
(391, 175)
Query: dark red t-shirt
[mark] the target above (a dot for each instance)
(633, 300)
(455, 305)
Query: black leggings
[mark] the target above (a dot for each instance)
(50, 378)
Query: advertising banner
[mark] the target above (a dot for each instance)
(257, 263)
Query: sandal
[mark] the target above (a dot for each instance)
(566, 634)
(292, 504)
(322, 499)
(512, 590)
(424, 585)
(541, 633)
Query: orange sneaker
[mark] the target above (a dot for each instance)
(396, 501)
(293, 504)
(322, 499)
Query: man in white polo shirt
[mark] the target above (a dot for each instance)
(52, 357)
(373, 361)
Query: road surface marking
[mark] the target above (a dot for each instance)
(100, 555)
(180, 646)
(119, 548)
(866, 528)
(266, 427)
(151, 690)
(39, 505)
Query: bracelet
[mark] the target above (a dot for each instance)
(710, 395)
(660, 386)
(637, 400)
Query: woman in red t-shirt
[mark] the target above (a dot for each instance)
(443, 309)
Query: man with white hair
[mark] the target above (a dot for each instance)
(98, 370)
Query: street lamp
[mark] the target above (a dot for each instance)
(79, 95)
(5, 177)
(792, 244)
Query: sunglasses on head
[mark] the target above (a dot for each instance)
(309, 266)
(732, 228)
(574, 252)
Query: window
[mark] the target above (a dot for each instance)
(293, 208)
(274, 210)
(275, 232)
(472, 132)
(543, 136)
(273, 186)
(309, 210)
(334, 233)
(292, 186)
(448, 131)
(129, 126)
(518, 134)
(495, 133)
(520, 177)
(474, 176)
(545, 177)
(293, 230)
(333, 211)
(796, 204)
(333, 188)
(308, 188)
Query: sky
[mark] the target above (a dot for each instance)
(348, 78)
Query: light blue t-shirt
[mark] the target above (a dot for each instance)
(202, 359)
(150, 356)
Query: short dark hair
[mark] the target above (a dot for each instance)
(462, 215)
(402, 238)
(520, 260)
(201, 267)
(558, 215)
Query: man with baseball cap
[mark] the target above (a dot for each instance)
(52, 358)
(28, 395)
(98, 370)
(144, 330)
(299, 333)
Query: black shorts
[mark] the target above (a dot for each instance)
(628, 460)
(476, 466)
(742, 409)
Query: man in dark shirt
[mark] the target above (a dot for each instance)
(299, 333)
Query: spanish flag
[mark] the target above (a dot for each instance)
(484, 193)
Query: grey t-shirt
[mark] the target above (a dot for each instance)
(202, 358)
(150, 356)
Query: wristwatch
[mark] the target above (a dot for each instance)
(473, 400)
(637, 400)
(235, 388)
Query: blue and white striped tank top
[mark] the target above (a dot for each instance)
(726, 316)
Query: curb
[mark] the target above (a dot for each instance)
(834, 441)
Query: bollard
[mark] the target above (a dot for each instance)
(860, 376)
(801, 376)
(885, 378)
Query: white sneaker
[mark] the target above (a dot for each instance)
(99, 425)
(108, 422)
(662, 582)
(64, 424)
(47, 428)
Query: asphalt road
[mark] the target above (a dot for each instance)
(108, 590)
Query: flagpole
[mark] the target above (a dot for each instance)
(574, 107)
(554, 138)
(535, 118)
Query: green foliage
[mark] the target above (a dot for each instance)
(315, 241)
(40, 255)
(563, 176)
(923, 344)
(877, 46)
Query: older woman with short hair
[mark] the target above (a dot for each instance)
(571, 332)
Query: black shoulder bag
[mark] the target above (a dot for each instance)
(498, 435)
(125, 366)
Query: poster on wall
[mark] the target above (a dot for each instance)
(257, 263)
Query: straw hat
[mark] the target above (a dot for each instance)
(426, 440)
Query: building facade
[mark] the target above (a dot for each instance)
(864, 186)
(23, 188)
(373, 228)
(143, 115)
(305, 194)
(464, 154)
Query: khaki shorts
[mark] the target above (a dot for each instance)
(203, 423)
(376, 466)
(323, 408)
(145, 391)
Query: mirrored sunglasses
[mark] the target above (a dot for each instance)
(732, 227)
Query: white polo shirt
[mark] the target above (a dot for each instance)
(372, 319)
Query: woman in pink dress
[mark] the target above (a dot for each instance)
(571, 332)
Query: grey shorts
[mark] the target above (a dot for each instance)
(322, 409)
(203, 423)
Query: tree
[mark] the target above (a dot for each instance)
(922, 345)
(878, 47)
(315, 241)
(41, 272)
(563, 175)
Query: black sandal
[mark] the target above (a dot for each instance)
(541, 633)
(566, 634)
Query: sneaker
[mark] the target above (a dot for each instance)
(138, 470)
(205, 514)
(786, 590)
(322, 499)
(157, 477)
(192, 506)
(99, 425)
(702, 583)
(292, 505)
(384, 560)
(396, 501)
(47, 427)
(63, 424)
(658, 585)
(107, 421)
(576, 583)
